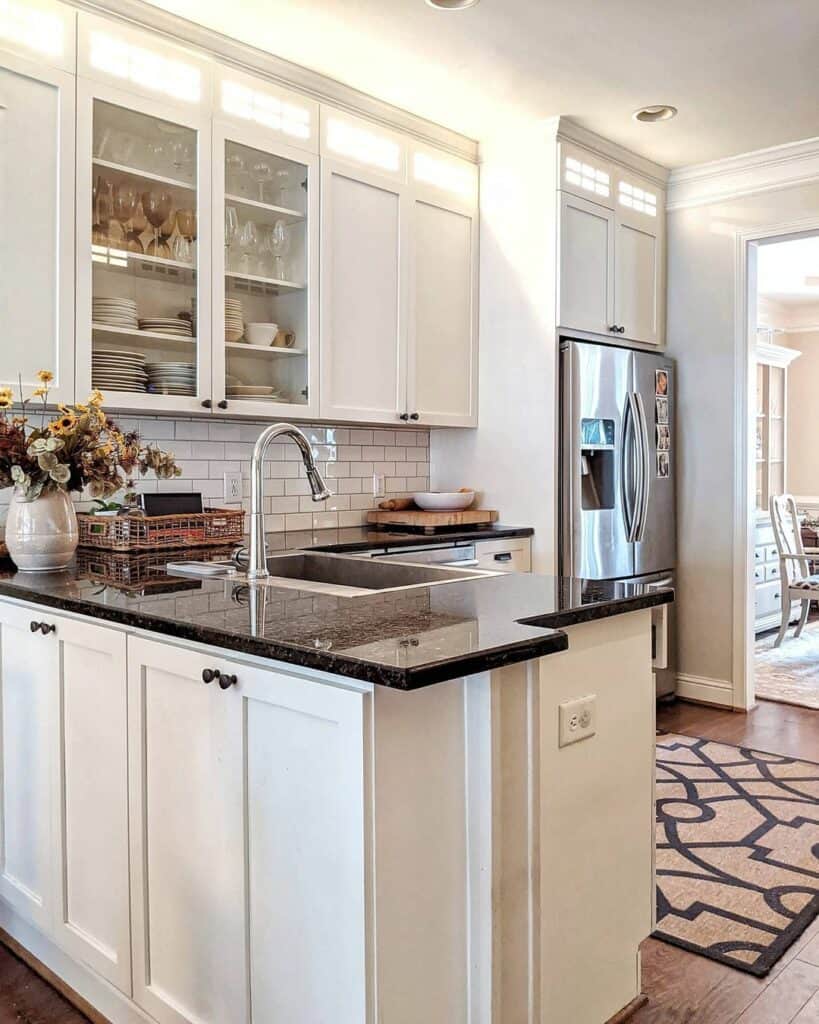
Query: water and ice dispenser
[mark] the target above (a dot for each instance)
(597, 468)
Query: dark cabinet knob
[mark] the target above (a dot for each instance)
(223, 404)
(404, 416)
(227, 681)
(613, 328)
(34, 626)
(621, 330)
(207, 404)
(209, 674)
(43, 627)
(415, 416)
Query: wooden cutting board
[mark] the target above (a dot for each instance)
(429, 522)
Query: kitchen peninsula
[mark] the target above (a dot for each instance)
(221, 804)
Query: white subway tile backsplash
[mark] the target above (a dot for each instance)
(348, 457)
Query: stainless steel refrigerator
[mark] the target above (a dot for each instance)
(618, 474)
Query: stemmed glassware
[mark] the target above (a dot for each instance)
(235, 172)
(283, 186)
(231, 233)
(124, 207)
(186, 233)
(262, 173)
(248, 244)
(280, 245)
(157, 206)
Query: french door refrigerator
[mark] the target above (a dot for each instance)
(617, 474)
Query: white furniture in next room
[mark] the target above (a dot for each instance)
(798, 585)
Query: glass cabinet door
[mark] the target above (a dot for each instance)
(264, 306)
(138, 294)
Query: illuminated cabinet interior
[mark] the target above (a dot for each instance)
(239, 248)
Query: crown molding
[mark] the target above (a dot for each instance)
(775, 355)
(764, 170)
(249, 59)
(563, 127)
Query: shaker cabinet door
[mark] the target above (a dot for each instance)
(443, 350)
(585, 289)
(637, 289)
(364, 283)
(29, 663)
(37, 215)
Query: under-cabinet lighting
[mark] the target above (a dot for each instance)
(443, 174)
(111, 257)
(32, 28)
(288, 118)
(587, 177)
(145, 68)
(638, 199)
(359, 144)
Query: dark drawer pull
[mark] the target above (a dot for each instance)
(44, 627)
(227, 681)
(503, 556)
(209, 674)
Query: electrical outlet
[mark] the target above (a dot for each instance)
(233, 487)
(379, 489)
(578, 720)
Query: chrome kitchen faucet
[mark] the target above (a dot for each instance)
(257, 564)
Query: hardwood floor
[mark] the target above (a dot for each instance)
(682, 988)
(26, 999)
(686, 989)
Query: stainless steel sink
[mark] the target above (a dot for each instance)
(350, 576)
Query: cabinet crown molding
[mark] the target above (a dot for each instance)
(562, 127)
(775, 355)
(762, 170)
(257, 62)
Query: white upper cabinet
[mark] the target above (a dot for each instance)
(37, 214)
(442, 378)
(42, 30)
(585, 290)
(272, 110)
(611, 237)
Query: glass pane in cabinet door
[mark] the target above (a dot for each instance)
(266, 286)
(144, 254)
(777, 389)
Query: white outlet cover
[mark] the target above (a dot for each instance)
(233, 487)
(577, 720)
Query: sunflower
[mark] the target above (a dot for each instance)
(6, 398)
(64, 424)
(39, 392)
(45, 376)
(96, 398)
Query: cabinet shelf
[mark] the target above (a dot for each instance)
(284, 213)
(258, 351)
(154, 339)
(270, 284)
(124, 171)
(134, 265)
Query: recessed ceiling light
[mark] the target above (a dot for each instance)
(656, 112)
(451, 5)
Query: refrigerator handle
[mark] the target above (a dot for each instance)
(645, 468)
(630, 464)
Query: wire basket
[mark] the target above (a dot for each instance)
(151, 533)
(142, 573)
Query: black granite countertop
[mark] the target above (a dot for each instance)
(404, 639)
(364, 538)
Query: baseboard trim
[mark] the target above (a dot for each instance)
(705, 691)
(628, 1011)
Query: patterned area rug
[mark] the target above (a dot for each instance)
(790, 673)
(737, 850)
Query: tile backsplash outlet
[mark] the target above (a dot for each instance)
(348, 457)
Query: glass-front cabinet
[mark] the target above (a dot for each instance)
(264, 274)
(771, 417)
(143, 251)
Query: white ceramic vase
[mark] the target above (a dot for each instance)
(42, 534)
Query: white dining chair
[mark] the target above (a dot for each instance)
(798, 584)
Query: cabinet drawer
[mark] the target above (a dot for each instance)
(512, 555)
(759, 574)
(768, 599)
(772, 571)
(759, 553)
(771, 553)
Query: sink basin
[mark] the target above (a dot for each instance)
(348, 576)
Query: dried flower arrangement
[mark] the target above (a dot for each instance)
(79, 448)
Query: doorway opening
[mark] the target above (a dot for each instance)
(783, 469)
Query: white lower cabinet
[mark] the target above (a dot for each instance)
(64, 784)
(247, 828)
(509, 554)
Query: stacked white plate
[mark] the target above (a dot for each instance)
(171, 378)
(118, 370)
(167, 325)
(234, 320)
(114, 312)
(255, 393)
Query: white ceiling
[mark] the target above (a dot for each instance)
(744, 73)
(782, 268)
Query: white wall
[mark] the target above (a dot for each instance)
(702, 243)
(511, 457)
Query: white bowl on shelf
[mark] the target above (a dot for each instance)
(261, 334)
(443, 501)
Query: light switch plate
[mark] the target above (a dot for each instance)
(578, 720)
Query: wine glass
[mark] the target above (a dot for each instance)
(261, 172)
(186, 226)
(280, 244)
(231, 232)
(248, 243)
(124, 204)
(283, 186)
(104, 202)
(157, 206)
(181, 154)
(235, 170)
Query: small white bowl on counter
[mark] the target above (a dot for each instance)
(443, 501)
